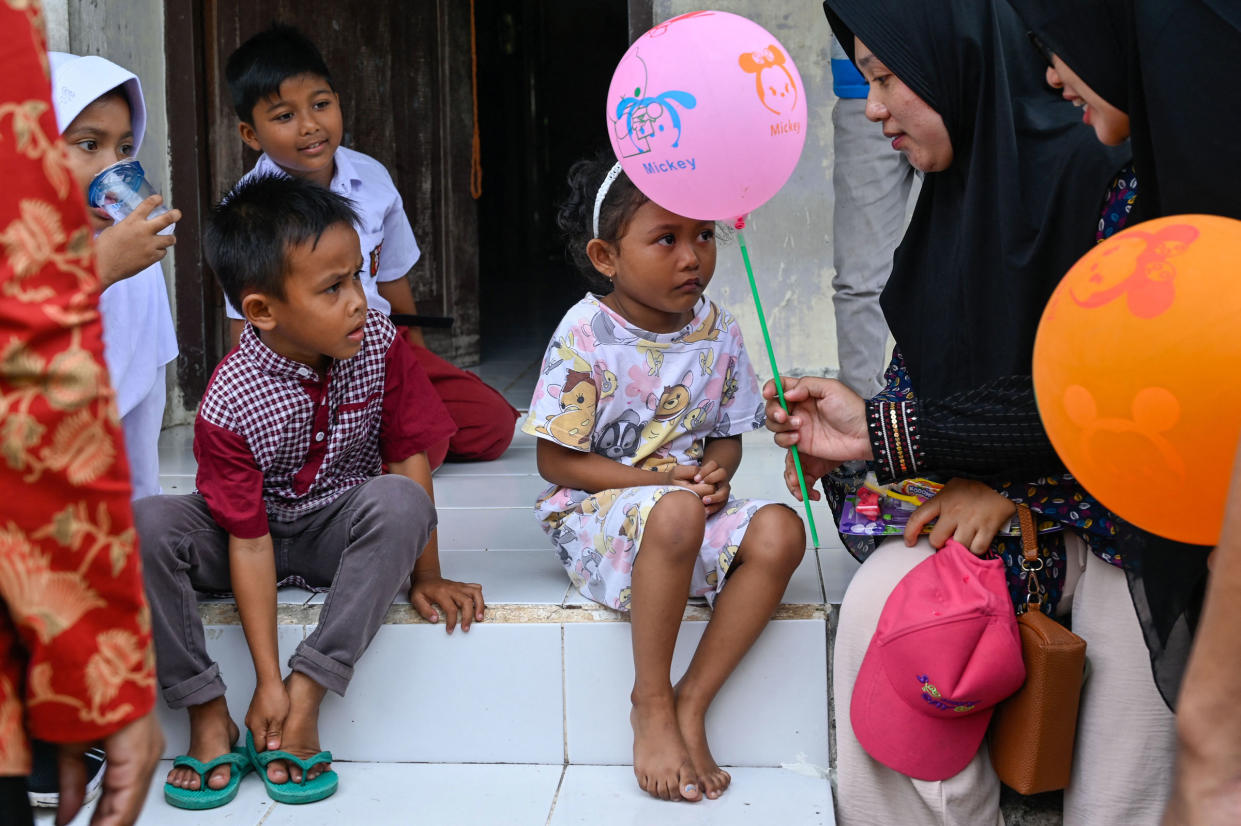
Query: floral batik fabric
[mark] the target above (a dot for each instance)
(647, 400)
(76, 661)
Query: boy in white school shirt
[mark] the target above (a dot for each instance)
(290, 111)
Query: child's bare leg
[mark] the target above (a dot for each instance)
(212, 733)
(301, 729)
(773, 546)
(661, 578)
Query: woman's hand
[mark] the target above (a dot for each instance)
(812, 468)
(965, 510)
(825, 419)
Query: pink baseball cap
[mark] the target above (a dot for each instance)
(946, 650)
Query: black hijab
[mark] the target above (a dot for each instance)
(1090, 36)
(1186, 118)
(1178, 61)
(1172, 66)
(992, 235)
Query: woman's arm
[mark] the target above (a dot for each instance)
(992, 431)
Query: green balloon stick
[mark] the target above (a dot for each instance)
(775, 375)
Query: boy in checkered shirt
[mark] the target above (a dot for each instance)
(290, 439)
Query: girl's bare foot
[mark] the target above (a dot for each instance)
(300, 737)
(660, 760)
(692, 723)
(212, 733)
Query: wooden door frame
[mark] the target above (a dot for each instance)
(199, 331)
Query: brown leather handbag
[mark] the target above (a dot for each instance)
(1032, 732)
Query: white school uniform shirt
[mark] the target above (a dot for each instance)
(138, 334)
(389, 248)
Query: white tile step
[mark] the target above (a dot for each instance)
(385, 794)
(544, 679)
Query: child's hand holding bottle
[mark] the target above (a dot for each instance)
(133, 244)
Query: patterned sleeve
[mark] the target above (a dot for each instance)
(76, 661)
(741, 402)
(990, 432)
(566, 398)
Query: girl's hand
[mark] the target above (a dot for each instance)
(683, 476)
(130, 246)
(965, 510)
(812, 468)
(825, 419)
(710, 473)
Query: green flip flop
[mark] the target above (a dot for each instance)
(204, 797)
(320, 788)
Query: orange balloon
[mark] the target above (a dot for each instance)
(1136, 368)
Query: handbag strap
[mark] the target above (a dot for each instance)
(1031, 560)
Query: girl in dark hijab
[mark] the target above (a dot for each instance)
(1006, 208)
(1134, 57)
(1165, 67)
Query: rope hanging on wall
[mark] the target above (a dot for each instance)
(476, 158)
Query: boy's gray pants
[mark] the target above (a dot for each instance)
(364, 545)
(872, 185)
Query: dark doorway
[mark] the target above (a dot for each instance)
(543, 71)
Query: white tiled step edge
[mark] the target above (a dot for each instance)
(545, 679)
(505, 795)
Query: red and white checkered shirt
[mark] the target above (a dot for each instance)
(274, 441)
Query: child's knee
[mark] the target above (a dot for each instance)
(777, 537)
(400, 505)
(677, 522)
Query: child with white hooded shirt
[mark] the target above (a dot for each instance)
(101, 115)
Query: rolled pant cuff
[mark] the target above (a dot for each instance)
(322, 669)
(197, 690)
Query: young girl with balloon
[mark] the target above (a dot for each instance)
(644, 393)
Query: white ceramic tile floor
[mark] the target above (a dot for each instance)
(608, 796)
(386, 794)
(509, 576)
(494, 694)
(431, 795)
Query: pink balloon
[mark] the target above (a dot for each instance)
(707, 114)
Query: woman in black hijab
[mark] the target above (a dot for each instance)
(1009, 209)
(1168, 66)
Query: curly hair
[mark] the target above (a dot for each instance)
(576, 215)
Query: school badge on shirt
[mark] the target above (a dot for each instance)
(375, 259)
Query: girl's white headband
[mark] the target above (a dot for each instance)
(603, 192)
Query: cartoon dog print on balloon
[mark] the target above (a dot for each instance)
(1135, 264)
(777, 90)
(643, 121)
